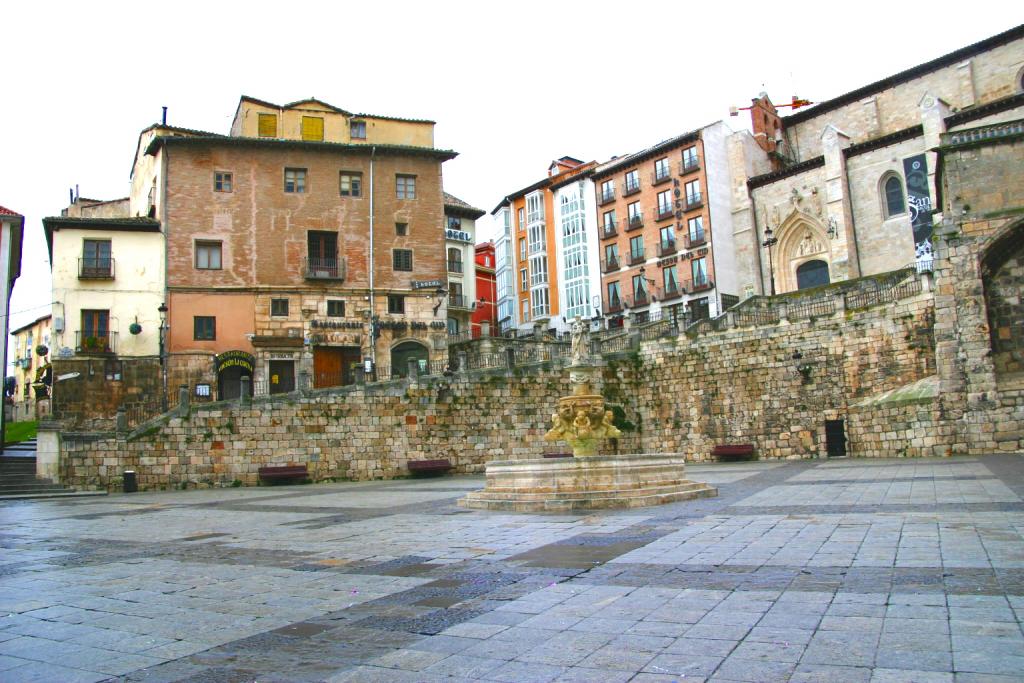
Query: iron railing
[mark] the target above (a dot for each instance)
(661, 175)
(635, 222)
(95, 342)
(666, 247)
(455, 266)
(318, 268)
(694, 201)
(95, 268)
(695, 239)
(606, 197)
(610, 265)
(636, 256)
(609, 229)
(630, 188)
(662, 212)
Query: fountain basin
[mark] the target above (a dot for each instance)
(591, 483)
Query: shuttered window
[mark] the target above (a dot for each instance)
(312, 128)
(268, 125)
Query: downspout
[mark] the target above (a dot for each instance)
(711, 226)
(373, 341)
(164, 334)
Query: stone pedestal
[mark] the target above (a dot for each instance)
(590, 483)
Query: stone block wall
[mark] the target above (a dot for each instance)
(772, 386)
(92, 389)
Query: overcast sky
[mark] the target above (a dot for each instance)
(511, 85)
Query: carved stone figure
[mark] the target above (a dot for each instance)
(580, 342)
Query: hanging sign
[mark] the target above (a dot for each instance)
(231, 359)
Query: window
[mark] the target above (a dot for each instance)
(607, 190)
(893, 189)
(635, 215)
(668, 238)
(453, 326)
(454, 260)
(661, 169)
(689, 158)
(609, 222)
(295, 180)
(204, 328)
(357, 130)
(279, 307)
(526, 310)
(401, 259)
(268, 125)
(522, 248)
(538, 271)
(95, 329)
(614, 296)
(96, 260)
(695, 228)
(113, 369)
(692, 192)
(632, 182)
(636, 248)
(350, 184)
(454, 222)
(537, 237)
(611, 255)
(396, 304)
(405, 186)
(335, 308)
(640, 288)
(534, 207)
(322, 250)
(520, 215)
(401, 229)
(665, 204)
(540, 302)
(221, 181)
(524, 283)
(313, 128)
(700, 271)
(208, 255)
(670, 279)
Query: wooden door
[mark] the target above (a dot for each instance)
(327, 366)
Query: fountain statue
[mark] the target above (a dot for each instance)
(582, 420)
(587, 480)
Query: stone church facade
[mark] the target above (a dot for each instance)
(853, 188)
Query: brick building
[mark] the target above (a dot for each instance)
(665, 226)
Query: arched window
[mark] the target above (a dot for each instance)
(893, 203)
(812, 274)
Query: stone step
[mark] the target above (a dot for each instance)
(509, 493)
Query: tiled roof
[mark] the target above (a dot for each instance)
(384, 150)
(141, 224)
(642, 155)
(8, 212)
(332, 107)
(459, 206)
(32, 324)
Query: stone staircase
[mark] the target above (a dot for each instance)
(18, 475)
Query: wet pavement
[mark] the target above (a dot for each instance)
(843, 570)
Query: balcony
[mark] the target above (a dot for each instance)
(639, 299)
(610, 265)
(316, 268)
(666, 247)
(662, 175)
(92, 342)
(609, 229)
(699, 285)
(662, 212)
(696, 239)
(671, 291)
(455, 266)
(613, 306)
(636, 257)
(95, 268)
(630, 188)
(459, 302)
(689, 166)
(636, 221)
(606, 198)
(694, 201)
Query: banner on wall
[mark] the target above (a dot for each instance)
(919, 200)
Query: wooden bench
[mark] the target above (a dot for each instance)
(439, 466)
(730, 452)
(284, 473)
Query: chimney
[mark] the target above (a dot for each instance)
(164, 119)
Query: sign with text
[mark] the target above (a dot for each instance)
(919, 200)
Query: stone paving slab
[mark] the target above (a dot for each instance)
(881, 570)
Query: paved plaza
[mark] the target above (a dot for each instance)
(845, 570)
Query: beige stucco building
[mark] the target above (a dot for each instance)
(30, 368)
(460, 236)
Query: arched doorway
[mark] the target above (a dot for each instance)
(231, 367)
(402, 353)
(1002, 269)
(812, 274)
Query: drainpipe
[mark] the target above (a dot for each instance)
(373, 342)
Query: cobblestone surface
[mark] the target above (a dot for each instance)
(881, 571)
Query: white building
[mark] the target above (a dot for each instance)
(460, 238)
(576, 250)
(504, 267)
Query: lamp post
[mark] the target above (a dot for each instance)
(770, 240)
(162, 310)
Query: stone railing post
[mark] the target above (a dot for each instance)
(927, 280)
(121, 420)
(538, 331)
(245, 397)
(183, 399)
(840, 302)
(485, 330)
(463, 360)
(730, 318)
(304, 381)
(634, 340)
(783, 309)
(48, 445)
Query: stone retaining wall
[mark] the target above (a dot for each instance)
(772, 386)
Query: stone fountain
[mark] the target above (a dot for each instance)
(585, 481)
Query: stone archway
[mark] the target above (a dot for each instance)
(1002, 276)
(801, 240)
(405, 351)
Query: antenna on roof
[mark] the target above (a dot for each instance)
(163, 121)
(71, 194)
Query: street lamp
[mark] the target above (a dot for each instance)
(162, 310)
(770, 240)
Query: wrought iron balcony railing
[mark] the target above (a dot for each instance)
(95, 268)
(694, 201)
(636, 256)
(606, 197)
(666, 247)
(609, 229)
(318, 268)
(662, 212)
(630, 188)
(610, 265)
(455, 266)
(101, 342)
(695, 239)
(661, 175)
(636, 221)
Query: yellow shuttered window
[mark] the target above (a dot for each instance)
(268, 125)
(312, 128)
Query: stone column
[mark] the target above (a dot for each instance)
(183, 398)
(48, 443)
